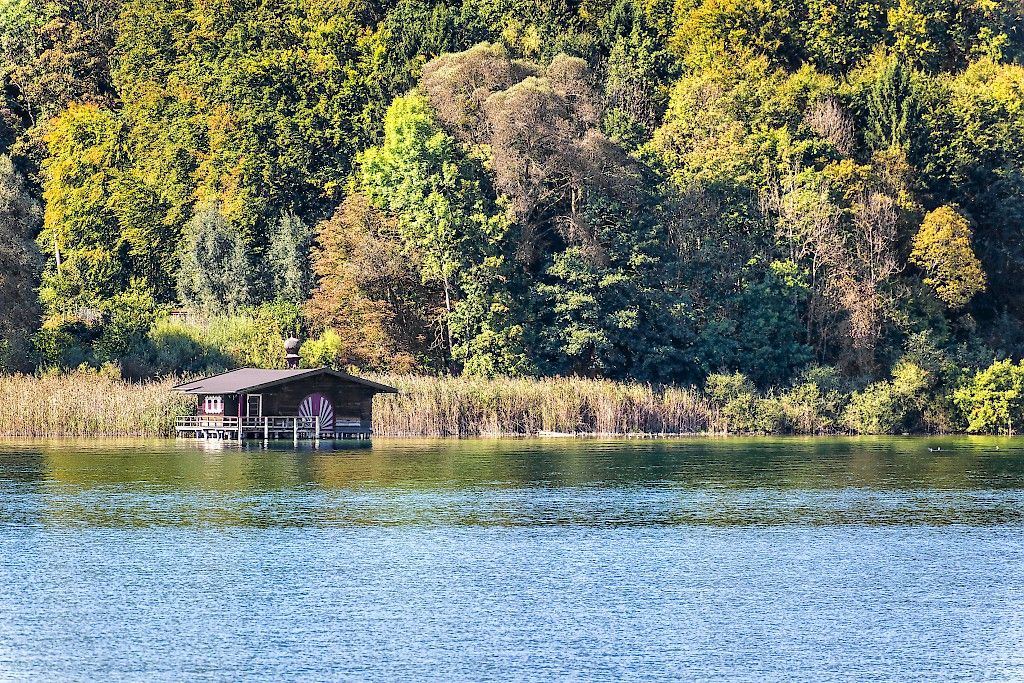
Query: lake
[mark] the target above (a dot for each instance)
(500, 560)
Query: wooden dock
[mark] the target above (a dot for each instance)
(268, 427)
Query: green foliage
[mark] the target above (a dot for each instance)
(889, 406)
(740, 407)
(127, 318)
(992, 401)
(768, 345)
(19, 266)
(646, 190)
(216, 272)
(445, 218)
(327, 350)
(288, 259)
(250, 338)
(893, 106)
(173, 346)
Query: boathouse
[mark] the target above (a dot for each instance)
(281, 404)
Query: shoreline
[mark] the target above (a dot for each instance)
(90, 404)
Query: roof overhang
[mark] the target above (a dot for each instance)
(196, 387)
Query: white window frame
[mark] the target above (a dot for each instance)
(213, 405)
(260, 409)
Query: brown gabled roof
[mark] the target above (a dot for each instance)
(251, 379)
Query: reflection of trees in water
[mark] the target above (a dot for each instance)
(509, 482)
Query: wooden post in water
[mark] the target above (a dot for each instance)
(316, 434)
(266, 428)
(295, 430)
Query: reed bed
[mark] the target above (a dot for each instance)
(465, 406)
(88, 404)
(91, 404)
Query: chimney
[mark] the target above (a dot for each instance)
(291, 352)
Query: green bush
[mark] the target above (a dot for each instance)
(251, 339)
(175, 347)
(993, 399)
(126, 319)
(875, 410)
(722, 388)
(326, 350)
(806, 410)
(741, 408)
(64, 344)
(889, 406)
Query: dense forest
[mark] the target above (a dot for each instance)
(776, 193)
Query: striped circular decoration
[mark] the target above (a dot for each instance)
(316, 405)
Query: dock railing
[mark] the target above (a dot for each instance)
(266, 426)
(187, 422)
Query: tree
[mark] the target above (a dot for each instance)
(370, 293)
(893, 106)
(216, 272)
(288, 260)
(456, 85)
(19, 267)
(839, 35)
(942, 249)
(993, 400)
(769, 336)
(604, 304)
(449, 223)
(635, 88)
(86, 259)
(726, 29)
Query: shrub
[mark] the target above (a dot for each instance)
(126, 320)
(722, 388)
(805, 410)
(176, 347)
(63, 344)
(740, 408)
(329, 349)
(887, 407)
(993, 400)
(875, 410)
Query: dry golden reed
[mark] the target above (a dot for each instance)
(468, 406)
(91, 404)
(88, 404)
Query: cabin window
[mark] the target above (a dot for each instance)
(213, 405)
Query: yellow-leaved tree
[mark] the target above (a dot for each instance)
(942, 249)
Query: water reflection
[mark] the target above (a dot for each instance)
(691, 559)
(529, 482)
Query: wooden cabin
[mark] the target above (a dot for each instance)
(275, 404)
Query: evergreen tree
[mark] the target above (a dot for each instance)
(19, 268)
(289, 260)
(216, 273)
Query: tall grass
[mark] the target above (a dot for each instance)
(88, 404)
(464, 406)
(92, 404)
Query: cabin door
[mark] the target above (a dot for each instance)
(317, 405)
(254, 405)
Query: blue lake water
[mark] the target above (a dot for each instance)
(688, 559)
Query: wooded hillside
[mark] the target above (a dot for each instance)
(644, 190)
